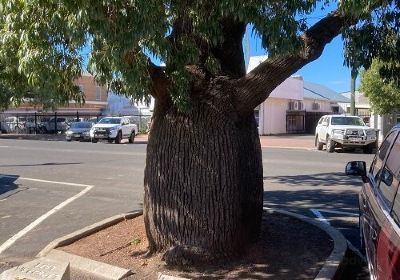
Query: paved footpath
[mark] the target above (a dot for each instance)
(303, 142)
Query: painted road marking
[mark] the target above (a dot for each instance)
(35, 223)
(337, 212)
(320, 217)
(46, 181)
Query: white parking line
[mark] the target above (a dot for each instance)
(35, 223)
(319, 216)
(337, 212)
(45, 181)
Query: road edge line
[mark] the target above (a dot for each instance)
(335, 259)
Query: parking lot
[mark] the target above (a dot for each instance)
(49, 189)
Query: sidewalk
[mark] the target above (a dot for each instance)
(303, 142)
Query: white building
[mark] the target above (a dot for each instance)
(122, 105)
(295, 106)
(383, 123)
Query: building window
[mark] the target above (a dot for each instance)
(316, 106)
(82, 89)
(335, 109)
(98, 93)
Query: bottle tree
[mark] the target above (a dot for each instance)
(203, 188)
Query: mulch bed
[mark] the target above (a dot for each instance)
(288, 249)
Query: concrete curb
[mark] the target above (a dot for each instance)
(39, 137)
(72, 237)
(333, 262)
(98, 269)
(107, 271)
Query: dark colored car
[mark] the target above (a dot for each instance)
(379, 202)
(79, 131)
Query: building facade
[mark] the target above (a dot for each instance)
(295, 106)
(95, 100)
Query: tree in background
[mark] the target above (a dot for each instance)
(203, 177)
(383, 93)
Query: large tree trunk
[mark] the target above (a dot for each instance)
(203, 179)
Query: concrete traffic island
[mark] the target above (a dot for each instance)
(301, 248)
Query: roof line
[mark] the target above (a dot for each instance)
(316, 93)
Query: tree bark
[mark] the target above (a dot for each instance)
(203, 179)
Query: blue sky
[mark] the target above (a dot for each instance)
(327, 70)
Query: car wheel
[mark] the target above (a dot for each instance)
(369, 148)
(94, 140)
(118, 138)
(69, 140)
(132, 137)
(330, 145)
(318, 144)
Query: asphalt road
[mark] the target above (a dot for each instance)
(49, 189)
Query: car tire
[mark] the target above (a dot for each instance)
(330, 145)
(69, 140)
(118, 138)
(368, 149)
(318, 144)
(93, 140)
(132, 137)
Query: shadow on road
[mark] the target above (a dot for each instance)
(7, 184)
(320, 179)
(41, 164)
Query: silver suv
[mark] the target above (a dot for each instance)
(345, 132)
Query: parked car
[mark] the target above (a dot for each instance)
(61, 126)
(113, 129)
(79, 131)
(13, 124)
(379, 202)
(346, 132)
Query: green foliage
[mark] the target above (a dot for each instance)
(46, 44)
(50, 41)
(384, 94)
(376, 35)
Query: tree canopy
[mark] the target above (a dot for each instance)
(383, 93)
(45, 44)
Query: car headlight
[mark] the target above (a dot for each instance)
(69, 132)
(370, 132)
(113, 128)
(338, 131)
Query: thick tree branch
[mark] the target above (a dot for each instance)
(160, 82)
(256, 86)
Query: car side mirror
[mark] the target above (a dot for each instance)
(356, 168)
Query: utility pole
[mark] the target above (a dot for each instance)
(353, 92)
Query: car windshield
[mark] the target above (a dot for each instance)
(347, 121)
(81, 125)
(110, 120)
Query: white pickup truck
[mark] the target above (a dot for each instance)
(346, 132)
(113, 129)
